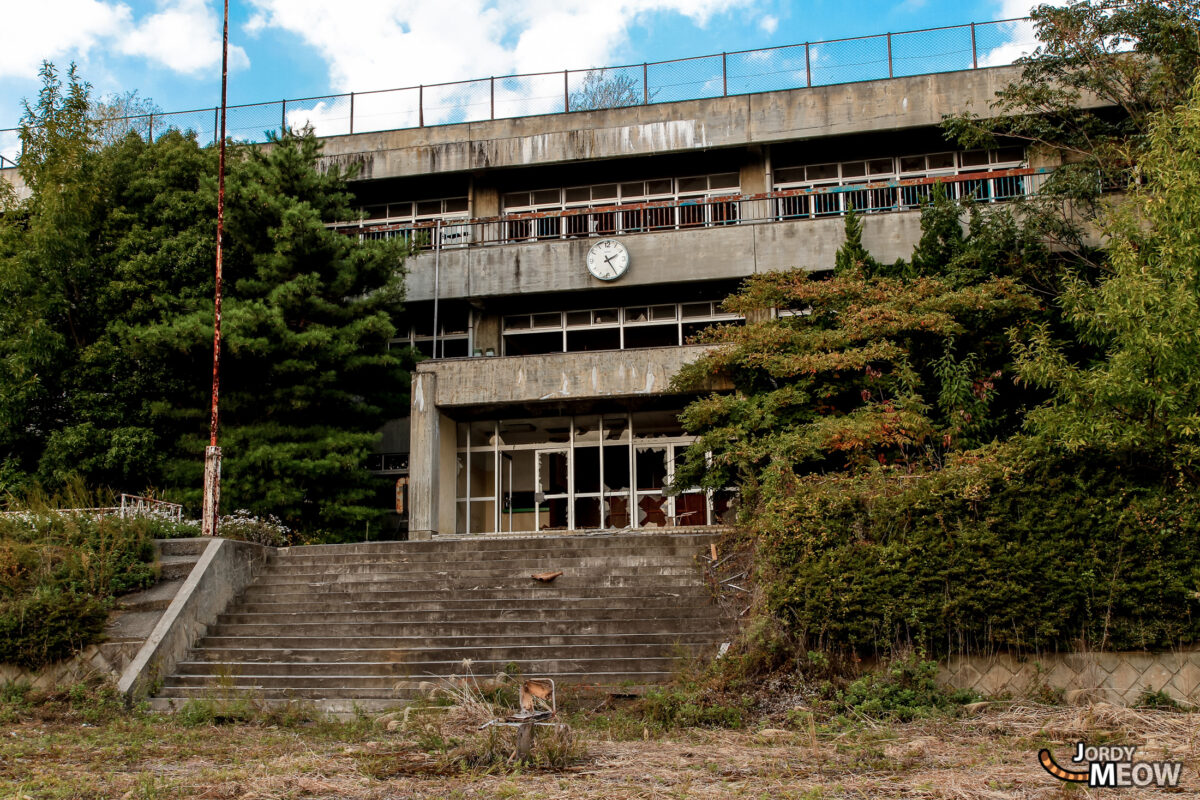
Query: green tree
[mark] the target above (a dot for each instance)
(1141, 398)
(867, 374)
(45, 271)
(105, 363)
(852, 255)
(1085, 98)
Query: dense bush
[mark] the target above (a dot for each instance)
(904, 689)
(48, 626)
(997, 552)
(58, 573)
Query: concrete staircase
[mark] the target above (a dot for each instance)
(366, 624)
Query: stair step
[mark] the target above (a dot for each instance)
(341, 592)
(393, 583)
(176, 567)
(490, 543)
(457, 602)
(328, 658)
(532, 627)
(480, 572)
(401, 662)
(315, 643)
(421, 670)
(498, 616)
(610, 555)
(403, 689)
(183, 547)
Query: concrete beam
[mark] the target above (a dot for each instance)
(556, 376)
(698, 254)
(881, 105)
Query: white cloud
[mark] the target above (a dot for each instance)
(1019, 38)
(181, 35)
(184, 35)
(769, 23)
(33, 32)
(10, 147)
(383, 43)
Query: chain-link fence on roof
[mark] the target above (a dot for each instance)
(795, 66)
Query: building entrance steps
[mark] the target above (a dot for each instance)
(367, 624)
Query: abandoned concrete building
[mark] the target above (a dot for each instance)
(566, 260)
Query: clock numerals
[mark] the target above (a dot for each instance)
(607, 259)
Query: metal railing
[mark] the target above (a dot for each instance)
(131, 505)
(705, 212)
(835, 61)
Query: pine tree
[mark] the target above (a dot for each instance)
(852, 255)
(105, 347)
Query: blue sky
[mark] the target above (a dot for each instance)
(168, 50)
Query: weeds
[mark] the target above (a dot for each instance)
(904, 689)
(94, 702)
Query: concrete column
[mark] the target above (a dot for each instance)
(487, 333)
(753, 179)
(485, 199)
(431, 462)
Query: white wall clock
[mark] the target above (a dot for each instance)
(608, 260)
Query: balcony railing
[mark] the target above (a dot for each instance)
(807, 202)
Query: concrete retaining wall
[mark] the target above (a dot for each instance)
(95, 659)
(1117, 678)
(225, 569)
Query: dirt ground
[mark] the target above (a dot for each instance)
(990, 753)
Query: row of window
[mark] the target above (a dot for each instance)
(689, 202)
(421, 211)
(881, 169)
(629, 328)
(609, 194)
(836, 182)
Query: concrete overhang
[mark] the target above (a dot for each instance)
(880, 105)
(463, 382)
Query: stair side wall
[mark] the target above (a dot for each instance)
(221, 574)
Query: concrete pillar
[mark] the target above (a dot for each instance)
(753, 179)
(431, 463)
(753, 174)
(487, 333)
(485, 199)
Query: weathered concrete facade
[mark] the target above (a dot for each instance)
(656, 258)
(753, 119)
(543, 348)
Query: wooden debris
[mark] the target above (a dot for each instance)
(546, 577)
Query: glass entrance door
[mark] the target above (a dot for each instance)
(553, 496)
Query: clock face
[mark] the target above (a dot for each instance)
(608, 260)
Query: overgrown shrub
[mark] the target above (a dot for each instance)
(59, 571)
(998, 552)
(692, 707)
(49, 625)
(903, 689)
